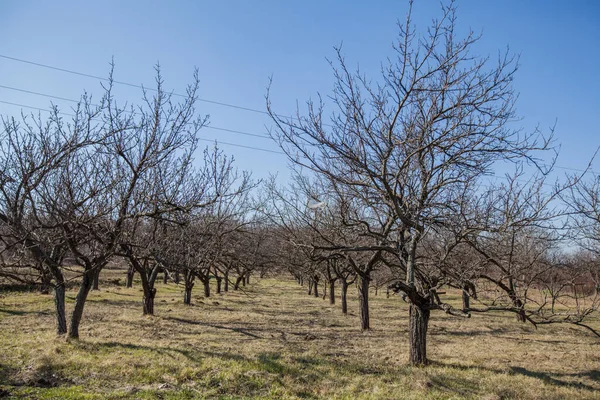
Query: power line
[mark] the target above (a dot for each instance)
(219, 103)
(76, 101)
(204, 140)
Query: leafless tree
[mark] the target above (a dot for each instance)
(32, 152)
(408, 144)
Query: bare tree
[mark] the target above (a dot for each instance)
(32, 152)
(435, 122)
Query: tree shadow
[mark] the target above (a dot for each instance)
(551, 378)
(21, 313)
(243, 331)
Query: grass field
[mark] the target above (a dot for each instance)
(274, 342)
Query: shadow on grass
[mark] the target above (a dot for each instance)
(550, 378)
(20, 313)
(243, 331)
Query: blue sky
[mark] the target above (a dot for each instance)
(238, 45)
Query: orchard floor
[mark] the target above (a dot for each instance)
(272, 341)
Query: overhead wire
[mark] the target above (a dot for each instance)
(202, 139)
(224, 104)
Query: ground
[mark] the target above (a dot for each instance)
(272, 341)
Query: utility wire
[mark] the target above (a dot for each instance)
(205, 140)
(219, 103)
(175, 94)
(77, 101)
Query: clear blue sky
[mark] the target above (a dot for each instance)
(237, 45)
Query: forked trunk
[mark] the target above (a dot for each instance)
(238, 280)
(419, 321)
(344, 297)
(84, 290)
(187, 293)
(188, 278)
(363, 297)
(148, 300)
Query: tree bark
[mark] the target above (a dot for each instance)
(316, 288)
(419, 321)
(363, 297)
(130, 274)
(466, 300)
(206, 283)
(165, 277)
(238, 280)
(84, 290)
(310, 287)
(226, 286)
(59, 303)
(148, 300)
(219, 281)
(176, 278)
(332, 292)
(188, 278)
(344, 297)
(187, 293)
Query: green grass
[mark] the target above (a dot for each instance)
(274, 342)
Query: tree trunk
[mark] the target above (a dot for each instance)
(95, 279)
(310, 287)
(363, 297)
(244, 281)
(149, 294)
(219, 281)
(188, 278)
(248, 279)
(226, 286)
(130, 274)
(466, 300)
(165, 277)
(238, 280)
(206, 283)
(59, 302)
(316, 287)
(176, 278)
(419, 320)
(332, 292)
(84, 289)
(344, 297)
(187, 294)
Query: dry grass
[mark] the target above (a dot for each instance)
(276, 342)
